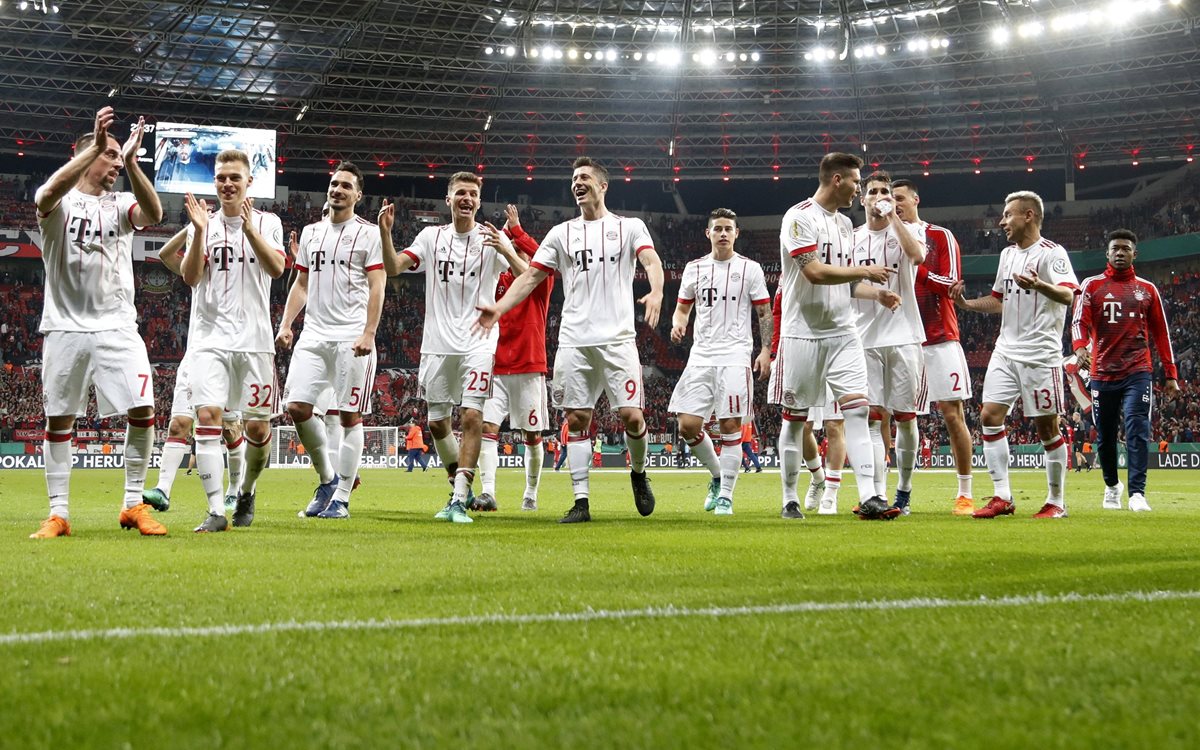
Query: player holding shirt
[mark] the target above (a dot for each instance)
(596, 254)
(891, 339)
(819, 342)
(88, 316)
(519, 387)
(232, 256)
(462, 262)
(946, 379)
(183, 416)
(340, 288)
(1034, 287)
(1118, 317)
(723, 287)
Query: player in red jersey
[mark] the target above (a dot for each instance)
(519, 382)
(1118, 318)
(946, 379)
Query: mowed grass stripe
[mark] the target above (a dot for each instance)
(665, 612)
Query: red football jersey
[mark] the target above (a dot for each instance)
(942, 267)
(1119, 316)
(521, 347)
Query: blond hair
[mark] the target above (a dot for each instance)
(1029, 199)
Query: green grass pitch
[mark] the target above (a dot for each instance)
(466, 649)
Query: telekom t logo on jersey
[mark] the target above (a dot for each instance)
(1112, 311)
(583, 260)
(445, 269)
(708, 296)
(318, 261)
(79, 228)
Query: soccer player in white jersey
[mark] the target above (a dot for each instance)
(891, 338)
(723, 287)
(183, 416)
(819, 342)
(232, 256)
(462, 262)
(1035, 286)
(88, 317)
(596, 254)
(946, 380)
(339, 285)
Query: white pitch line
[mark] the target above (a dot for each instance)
(590, 615)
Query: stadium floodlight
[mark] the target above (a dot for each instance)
(755, 56)
(510, 51)
(637, 55)
(548, 52)
(743, 57)
(1029, 29)
(670, 56)
(731, 56)
(1000, 36)
(651, 57)
(488, 50)
(610, 55)
(534, 52)
(573, 53)
(880, 50)
(808, 56)
(587, 55)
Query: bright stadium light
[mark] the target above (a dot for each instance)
(1000, 36)
(1029, 29)
(534, 52)
(610, 55)
(755, 56)
(510, 51)
(670, 56)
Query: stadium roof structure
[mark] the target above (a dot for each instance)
(657, 88)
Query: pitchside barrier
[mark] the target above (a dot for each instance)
(1188, 458)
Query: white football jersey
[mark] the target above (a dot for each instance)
(232, 302)
(461, 274)
(337, 258)
(814, 311)
(723, 293)
(1031, 324)
(597, 260)
(87, 248)
(877, 325)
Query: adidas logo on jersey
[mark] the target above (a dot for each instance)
(1109, 296)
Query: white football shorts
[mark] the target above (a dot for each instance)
(582, 373)
(328, 374)
(114, 361)
(521, 398)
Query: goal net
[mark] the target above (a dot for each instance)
(380, 448)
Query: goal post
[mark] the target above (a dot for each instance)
(381, 448)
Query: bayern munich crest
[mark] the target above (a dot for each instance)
(611, 235)
(789, 398)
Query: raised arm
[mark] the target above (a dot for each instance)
(912, 247)
(149, 210)
(825, 274)
(494, 238)
(393, 263)
(271, 258)
(654, 272)
(192, 268)
(60, 183)
(171, 254)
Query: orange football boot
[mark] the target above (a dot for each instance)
(52, 527)
(138, 517)
(963, 506)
